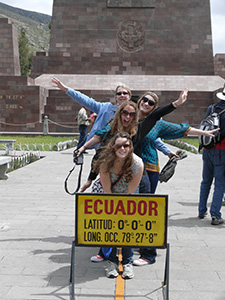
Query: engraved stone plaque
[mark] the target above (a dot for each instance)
(130, 36)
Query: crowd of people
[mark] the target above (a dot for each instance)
(126, 136)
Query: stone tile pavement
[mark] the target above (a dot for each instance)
(37, 229)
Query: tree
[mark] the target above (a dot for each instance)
(25, 53)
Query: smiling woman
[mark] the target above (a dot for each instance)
(117, 158)
(117, 161)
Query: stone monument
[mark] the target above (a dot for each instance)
(9, 52)
(140, 37)
(21, 101)
(158, 45)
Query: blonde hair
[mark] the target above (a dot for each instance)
(124, 87)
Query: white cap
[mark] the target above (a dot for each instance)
(221, 95)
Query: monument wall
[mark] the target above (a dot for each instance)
(151, 44)
(9, 51)
(131, 37)
(21, 104)
(219, 65)
(21, 101)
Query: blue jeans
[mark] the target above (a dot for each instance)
(148, 254)
(213, 168)
(127, 254)
(83, 129)
(153, 179)
(144, 186)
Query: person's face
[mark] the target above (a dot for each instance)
(127, 115)
(147, 104)
(122, 95)
(122, 147)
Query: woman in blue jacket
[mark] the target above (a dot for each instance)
(104, 110)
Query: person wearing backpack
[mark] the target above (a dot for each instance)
(214, 168)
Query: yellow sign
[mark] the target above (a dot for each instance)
(137, 220)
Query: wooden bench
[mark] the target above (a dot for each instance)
(8, 146)
(4, 160)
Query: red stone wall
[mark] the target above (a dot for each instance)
(39, 64)
(219, 65)
(193, 111)
(146, 37)
(21, 105)
(9, 51)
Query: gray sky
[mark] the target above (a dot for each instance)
(217, 14)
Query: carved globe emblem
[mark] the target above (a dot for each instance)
(130, 36)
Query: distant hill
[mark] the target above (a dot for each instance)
(35, 24)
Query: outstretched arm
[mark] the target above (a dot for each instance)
(182, 98)
(146, 125)
(86, 186)
(163, 148)
(195, 131)
(59, 84)
(93, 141)
(133, 184)
(105, 179)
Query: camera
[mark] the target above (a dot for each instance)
(78, 160)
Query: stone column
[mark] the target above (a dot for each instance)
(9, 50)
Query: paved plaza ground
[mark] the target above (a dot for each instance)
(37, 230)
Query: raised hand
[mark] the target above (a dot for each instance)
(59, 84)
(182, 98)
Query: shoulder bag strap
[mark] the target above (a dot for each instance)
(79, 180)
(117, 180)
(221, 112)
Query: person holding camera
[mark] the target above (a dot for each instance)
(104, 110)
(83, 123)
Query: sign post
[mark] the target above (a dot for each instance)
(121, 220)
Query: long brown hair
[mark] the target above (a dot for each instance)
(108, 156)
(116, 125)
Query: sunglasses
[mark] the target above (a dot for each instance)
(150, 102)
(127, 113)
(122, 93)
(125, 146)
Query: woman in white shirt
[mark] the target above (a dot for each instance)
(117, 163)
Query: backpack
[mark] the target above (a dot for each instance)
(212, 121)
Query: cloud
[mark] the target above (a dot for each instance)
(218, 25)
(42, 6)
